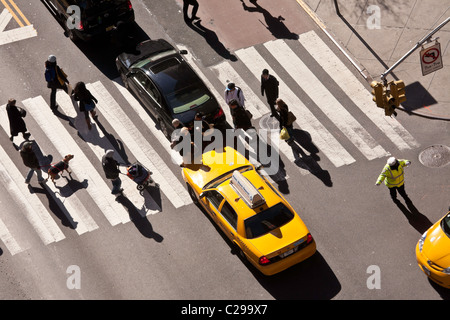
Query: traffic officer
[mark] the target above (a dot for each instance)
(393, 177)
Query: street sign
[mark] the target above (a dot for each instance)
(431, 59)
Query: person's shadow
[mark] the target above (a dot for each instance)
(416, 219)
(302, 140)
(274, 24)
(211, 38)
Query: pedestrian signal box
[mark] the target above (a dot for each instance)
(398, 91)
(379, 94)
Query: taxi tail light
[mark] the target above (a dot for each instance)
(130, 6)
(264, 261)
(309, 238)
(80, 26)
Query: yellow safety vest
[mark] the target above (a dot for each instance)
(393, 178)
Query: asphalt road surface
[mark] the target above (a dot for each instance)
(160, 246)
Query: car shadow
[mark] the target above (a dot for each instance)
(312, 279)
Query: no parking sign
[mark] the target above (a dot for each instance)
(431, 59)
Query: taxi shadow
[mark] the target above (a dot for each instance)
(311, 279)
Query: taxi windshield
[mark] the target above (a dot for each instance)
(267, 220)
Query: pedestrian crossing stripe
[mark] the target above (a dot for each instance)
(109, 110)
(324, 140)
(139, 145)
(360, 96)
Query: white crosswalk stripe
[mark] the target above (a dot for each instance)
(98, 143)
(305, 119)
(355, 90)
(74, 209)
(140, 146)
(325, 100)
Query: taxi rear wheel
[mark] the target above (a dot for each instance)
(192, 194)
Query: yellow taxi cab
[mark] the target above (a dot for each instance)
(433, 252)
(261, 224)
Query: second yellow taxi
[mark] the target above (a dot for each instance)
(262, 225)
(433, 252)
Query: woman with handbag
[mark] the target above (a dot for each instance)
(87, 101)
(286, 119)
(16, 122)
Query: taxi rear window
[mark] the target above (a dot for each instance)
(267, 220)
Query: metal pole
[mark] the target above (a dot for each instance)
(418, 44)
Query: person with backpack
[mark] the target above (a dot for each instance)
(111, 169)
(234, 92)
(87, 102)
(56, 79)
(16, 122)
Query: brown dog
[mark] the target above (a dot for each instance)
(55, 169)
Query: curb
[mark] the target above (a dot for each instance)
(361, 69)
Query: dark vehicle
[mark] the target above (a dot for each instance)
(97, 17)
(167, 86)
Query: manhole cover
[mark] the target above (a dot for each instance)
(435, 156)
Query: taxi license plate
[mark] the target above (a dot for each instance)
(287, 253)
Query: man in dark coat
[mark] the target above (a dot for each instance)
(111, 168)
(31, 161)
(269, 86)
(240, 117)
(16, 122)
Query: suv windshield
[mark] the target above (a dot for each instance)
(268, 220)
(445, 224)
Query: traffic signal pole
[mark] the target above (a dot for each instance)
(427, 38)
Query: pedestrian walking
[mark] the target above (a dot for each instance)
(234, 92)
(87, 102)
(31, 161)
(56, 79)
(16, 122)
(186, 4)
(285, 119)
(240, 117)
(393, 177)
(269, 86)
(112, 171)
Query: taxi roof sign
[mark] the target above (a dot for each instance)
(246, 190)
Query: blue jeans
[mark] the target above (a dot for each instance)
(30, 174)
